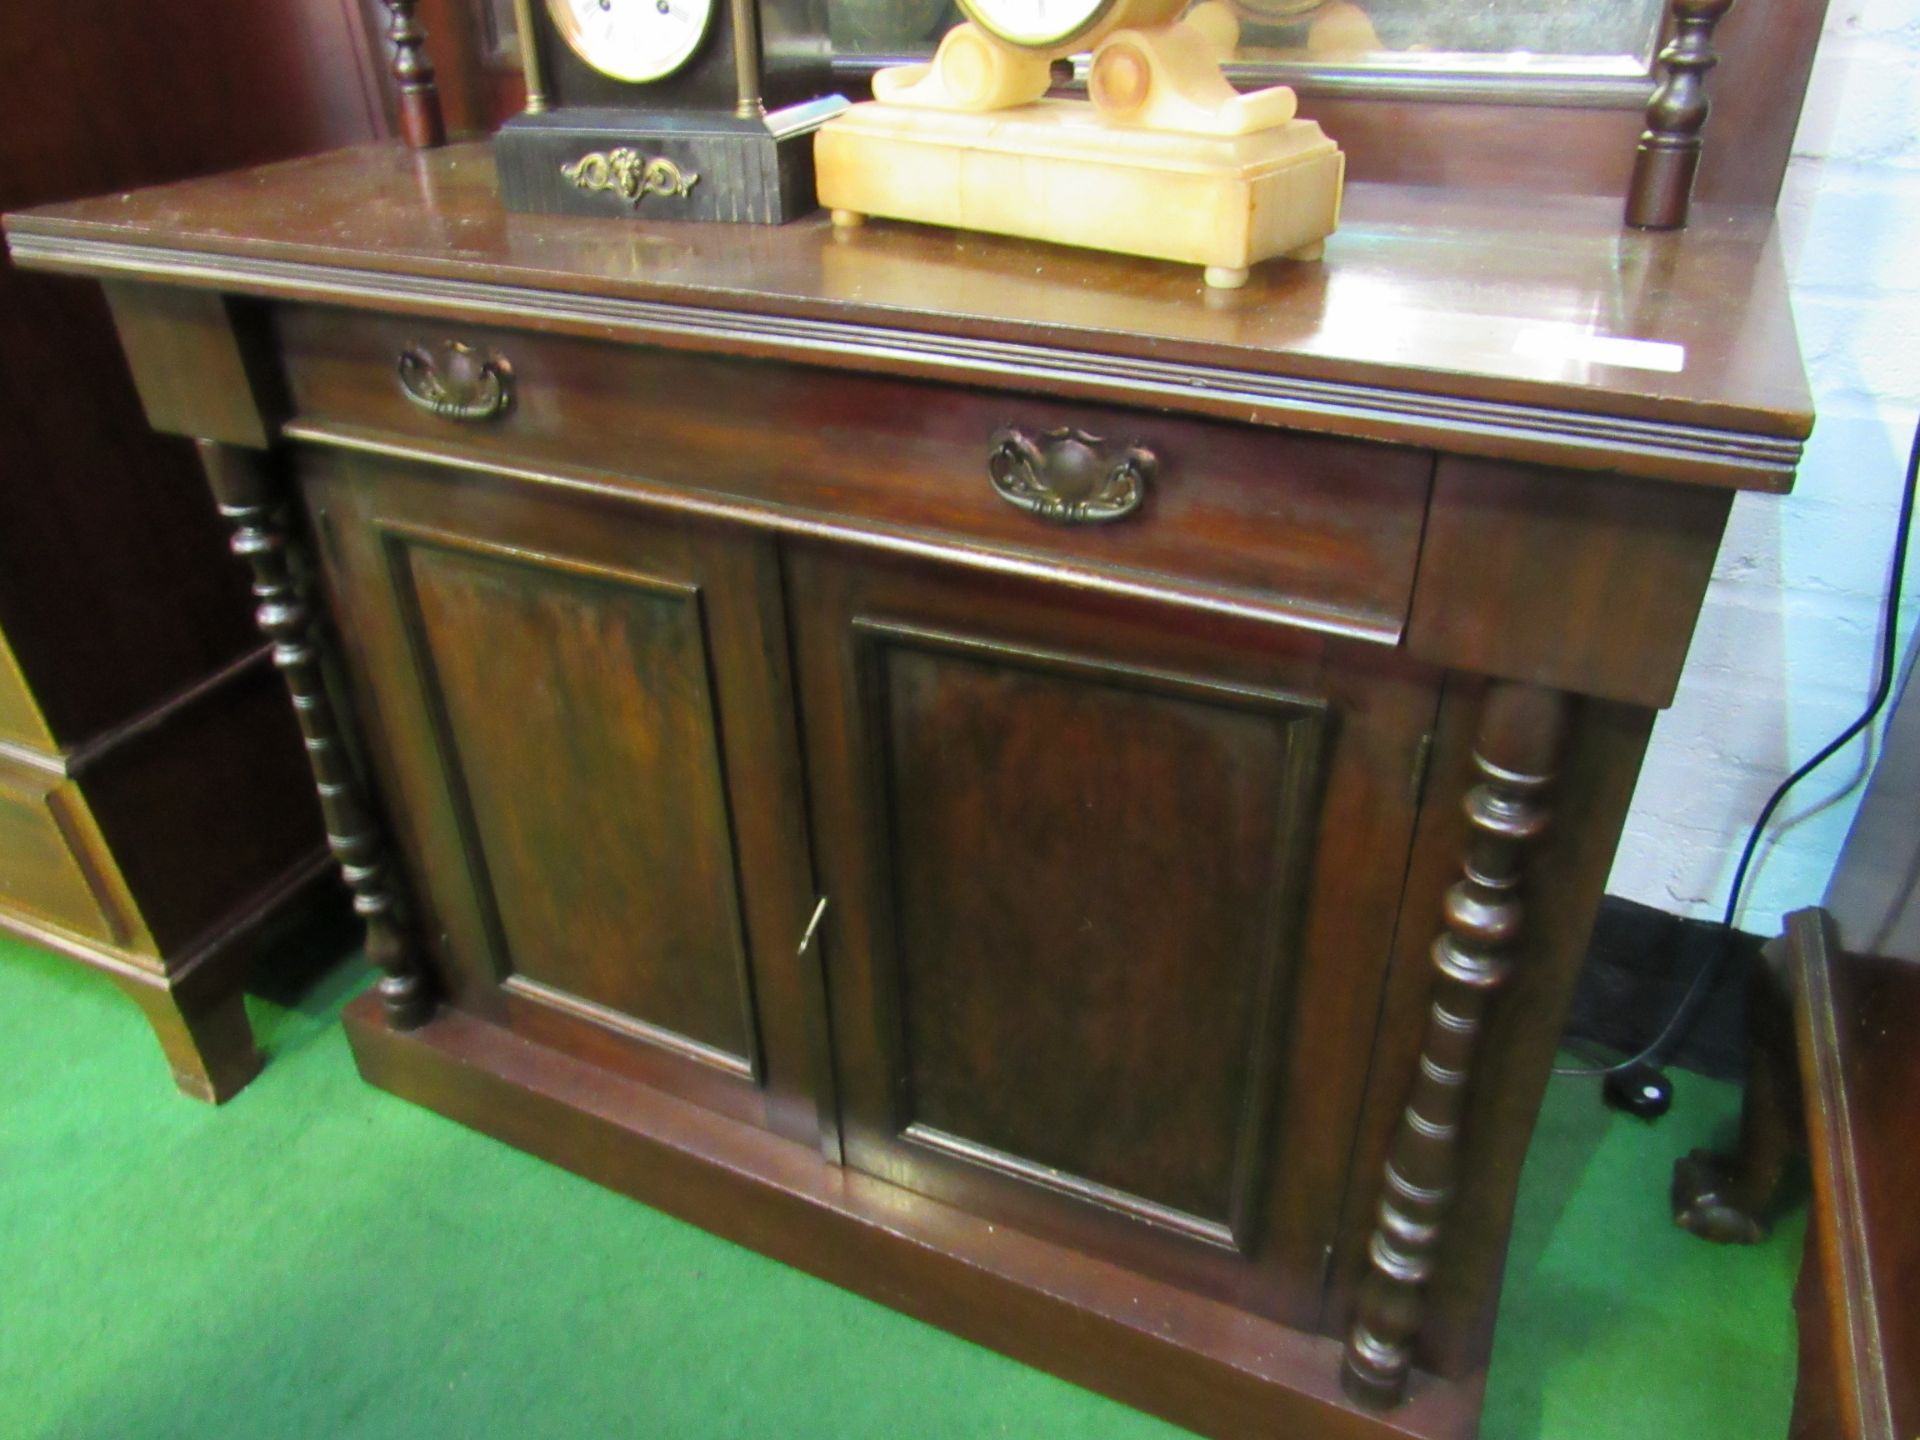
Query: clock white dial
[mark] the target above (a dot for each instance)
(1035, 23)
(634, 40)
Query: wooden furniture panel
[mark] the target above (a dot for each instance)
(129, 672)
(1080, 938)
(642, 919)
(580, 699)
(1320, 532)
(43, 874)
(1592, 584)
(20, 721)
(1425, 328)
(1154, 964)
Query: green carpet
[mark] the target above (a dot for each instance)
(320, 1259)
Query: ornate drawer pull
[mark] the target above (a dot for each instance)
(455, 381)
(1069, 476)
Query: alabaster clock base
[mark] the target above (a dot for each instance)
(664, 166)
(1055, 171)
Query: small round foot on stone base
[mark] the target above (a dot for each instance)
(1316, 251)
(1226, 277)
(848, 219)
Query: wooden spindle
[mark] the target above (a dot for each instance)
(420, 119)
(1515, 753)
(247, 490)
(1669, 153)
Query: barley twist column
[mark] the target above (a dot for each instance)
(1515, 752)
(248, 493)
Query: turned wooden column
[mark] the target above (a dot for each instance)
(1669, 153)
(420, 118)
(248, 491)
(1515, 754)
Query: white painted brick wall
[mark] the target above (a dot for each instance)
(1784, 653)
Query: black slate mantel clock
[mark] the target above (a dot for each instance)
(669, 109)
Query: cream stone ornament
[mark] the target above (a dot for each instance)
(1165, 159)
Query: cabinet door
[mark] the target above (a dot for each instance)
(1113, 893)
(585, 715)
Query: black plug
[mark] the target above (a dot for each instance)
(1639, 1090)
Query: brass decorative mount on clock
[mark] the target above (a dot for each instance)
(629, 174)
(1164, 159)
(669, 109)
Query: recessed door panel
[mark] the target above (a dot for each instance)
(580, 727)
(1114, 895)
(581, 712)
(1090, 869)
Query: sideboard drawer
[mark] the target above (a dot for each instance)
(1237, 518)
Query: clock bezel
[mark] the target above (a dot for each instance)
(1107, 17)
(1068, 39)
(566, 25)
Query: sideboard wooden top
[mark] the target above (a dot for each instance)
(1534, 328)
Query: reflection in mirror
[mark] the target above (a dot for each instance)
(1388, 39)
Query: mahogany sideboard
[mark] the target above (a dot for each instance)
(1065, 804)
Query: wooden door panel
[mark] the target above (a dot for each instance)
(583, 714)
(580, 731)
(1079, 1001)
(1104, 962)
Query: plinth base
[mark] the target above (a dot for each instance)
(756, 170)
(1056, 171)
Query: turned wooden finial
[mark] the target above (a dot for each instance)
(1669, 153)
(420, 120)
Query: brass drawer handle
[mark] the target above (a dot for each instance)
(455, 381)
(1069, 476)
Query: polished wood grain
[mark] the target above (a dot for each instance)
(1437, 316)
(1668, 156)
(610, 855)
(199, 364)
(585, 718)
(1079, 945)
(252, 497)
(1516, 752)
(1312, 531)
(1566, 877)
(1592, 584)
(1072, 884)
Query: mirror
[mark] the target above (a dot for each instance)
(1400, 46)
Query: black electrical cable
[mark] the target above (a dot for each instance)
(1660, 1050)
